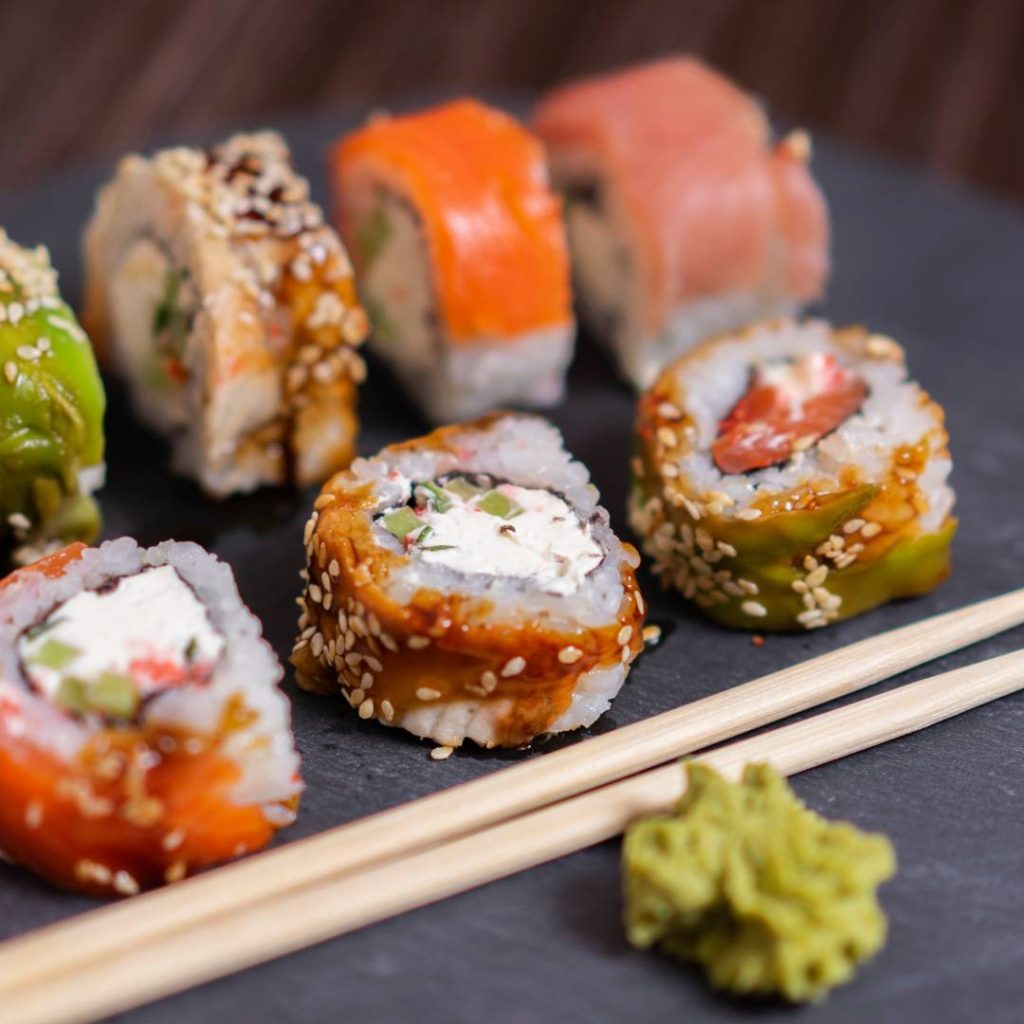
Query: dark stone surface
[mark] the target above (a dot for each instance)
(939, 269)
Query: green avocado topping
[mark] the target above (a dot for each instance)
(51, 407)
(170, 321)
(372, 235)
(769, 898)
(401, 522)
(55, 654)
(460, 486)
(112, 695)
(497, 504)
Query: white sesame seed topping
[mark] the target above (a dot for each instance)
(427, 693)
(569, 655)
(513, 666)
(418, 643)
(754, 608)
(441, 753)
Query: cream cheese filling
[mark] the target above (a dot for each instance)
(147, 633)
(497, 529)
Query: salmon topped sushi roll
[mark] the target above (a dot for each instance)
(684, 218)
(462, 258)
(217, 292)
(142, 733)
(466, 585)
(791, 475)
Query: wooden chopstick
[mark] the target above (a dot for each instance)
(331, 907)
(529, 785)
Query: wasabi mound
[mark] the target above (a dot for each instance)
(769, 898)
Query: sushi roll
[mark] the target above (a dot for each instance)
(461, 255)
(467, 586)
(217, 292)
(51, 408)
(142, 733)
(792, 475)
(684, 218)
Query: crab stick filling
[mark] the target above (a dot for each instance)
(105, 651)
(790, 405)
(478, 525)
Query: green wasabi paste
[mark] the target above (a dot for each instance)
(769, 898)
(51, 411)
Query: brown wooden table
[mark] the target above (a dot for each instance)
(937, 81)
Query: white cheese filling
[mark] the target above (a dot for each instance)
(504, 531)
(151, 628)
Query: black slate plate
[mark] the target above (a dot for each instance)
(939, 269)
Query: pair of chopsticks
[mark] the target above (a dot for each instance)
(126, 954)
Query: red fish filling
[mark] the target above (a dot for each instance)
(790, 405)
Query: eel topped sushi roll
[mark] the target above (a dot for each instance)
(792, 475)
(217, 292)
(467, 585)
(51, 411)
(684, 218)
(462, 258)
(142, 733)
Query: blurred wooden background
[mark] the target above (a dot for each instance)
(939, 82)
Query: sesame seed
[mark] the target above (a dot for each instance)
(427, 693)
(631, 556)
(373, 664)
(10, 372)
(651, 634)
(639, 599)
(807, 618)
(176, 872)
(871, 530)
(315, 593)
(33, 814)
(173, 839)
(26, 352)
(367, 681)
(800, 586)
(667, 436)
(387, 710)
(317, 644)
(389, 642)
(754, 608)
(125, 884)
(882, 347)
(569, 655)
(358, 696)
(798, 144)
(353, 658)
(417, 643)
(624, 634)
(817, 577)
(668, 411)
(488, 681)
(748, 514)
(513, 666)
(852, 525)
(19, 521)
(441, 753)
(366, 708)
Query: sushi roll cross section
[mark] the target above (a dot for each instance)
(467, 586)
(217, 292)
(51, 412)
(142, 732)
(684, 218)
(792, 475)
(462, 257)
